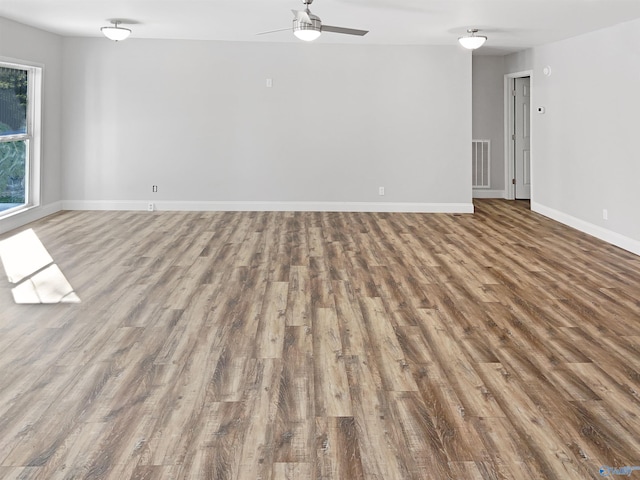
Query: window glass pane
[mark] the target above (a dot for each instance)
(13, 160)
(13, 101)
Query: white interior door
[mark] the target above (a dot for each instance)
(522, 138)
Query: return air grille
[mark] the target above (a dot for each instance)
(480, 169)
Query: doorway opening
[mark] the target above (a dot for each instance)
(518, 164)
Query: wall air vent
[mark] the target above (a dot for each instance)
(480, 150)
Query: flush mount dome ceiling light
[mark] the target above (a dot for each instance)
(472, 41)
(115, 33)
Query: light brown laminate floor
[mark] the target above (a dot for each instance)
(499, 345)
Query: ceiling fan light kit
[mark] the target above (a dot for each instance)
(115, 32)
(306, 26)
(472, 41)
(306, 34)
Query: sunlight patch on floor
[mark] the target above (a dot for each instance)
(27, 262)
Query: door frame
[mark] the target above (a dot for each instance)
(509, 105)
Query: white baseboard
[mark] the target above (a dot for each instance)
(103, 205)
(608, 236)
(271, 206)
(24, 217)
(478, 193)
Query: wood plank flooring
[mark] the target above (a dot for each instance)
(282, 345)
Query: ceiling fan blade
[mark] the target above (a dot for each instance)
(274, 31)
(347, 31)
(302, 16)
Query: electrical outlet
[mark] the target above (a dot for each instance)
(154, 188)
(605, 214)
(380, 190)
(151, 207)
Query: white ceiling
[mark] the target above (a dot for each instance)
(511, 25)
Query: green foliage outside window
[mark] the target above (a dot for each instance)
(12, 170)
(13, 120)
(13, 98)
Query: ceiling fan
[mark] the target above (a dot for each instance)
(308, 27)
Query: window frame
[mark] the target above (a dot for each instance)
(32, 136)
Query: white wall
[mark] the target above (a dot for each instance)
(519, 61)
(23, 43)
(196, 119)
(585, 148)
(488, 117)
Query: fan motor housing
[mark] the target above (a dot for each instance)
(316, 24)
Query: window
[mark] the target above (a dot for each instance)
(19, 125)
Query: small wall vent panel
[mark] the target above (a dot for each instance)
(480, 154)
